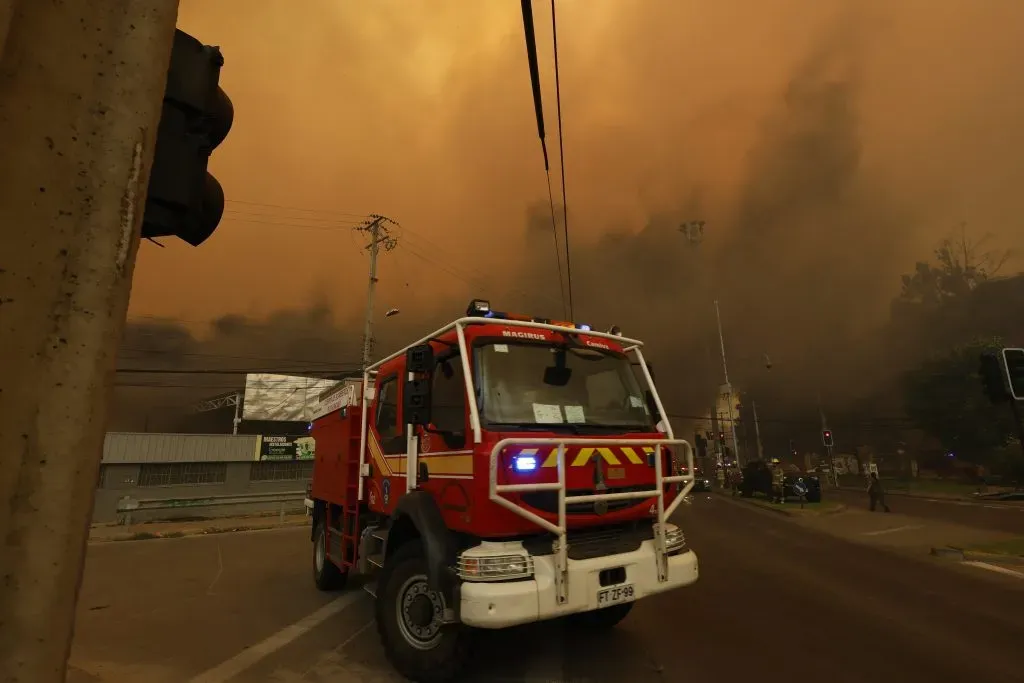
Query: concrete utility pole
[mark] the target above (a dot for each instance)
(728, 388)
(757, 431)
(380, 236)
(81, 90)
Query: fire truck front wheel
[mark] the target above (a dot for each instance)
(409, 621)
(326, 574)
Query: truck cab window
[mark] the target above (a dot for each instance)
(386, 418)
(448, 405)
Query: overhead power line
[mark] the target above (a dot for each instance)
(561, 161)
(538, 106)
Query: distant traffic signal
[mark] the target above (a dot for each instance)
(993, 376)
(721, 436)
(183, 199)
(1013, 361)
(826, 437)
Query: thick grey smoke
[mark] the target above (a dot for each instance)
(821, 179)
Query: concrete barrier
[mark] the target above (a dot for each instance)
(131, 510)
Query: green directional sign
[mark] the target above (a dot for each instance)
(1013, 361)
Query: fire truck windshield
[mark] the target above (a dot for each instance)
(532, 386)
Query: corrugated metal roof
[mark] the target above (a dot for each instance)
(134, 447)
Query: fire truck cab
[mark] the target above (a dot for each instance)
(500, 471)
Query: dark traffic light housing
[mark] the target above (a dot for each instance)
(993, 377)
(826, 437)
(1013, 362)
(183, 199)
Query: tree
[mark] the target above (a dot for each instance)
(944, 397)
(960, 266)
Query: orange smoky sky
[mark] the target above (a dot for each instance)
(827, 145)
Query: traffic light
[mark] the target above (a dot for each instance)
(721, 436)
(183, 199)
(1013, 360)
(826, 437)
(993, 376)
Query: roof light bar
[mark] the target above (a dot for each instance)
(478, 307)
(481, 308)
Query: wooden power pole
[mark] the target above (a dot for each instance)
(81, 87)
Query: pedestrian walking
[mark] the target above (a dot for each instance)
(876, 493)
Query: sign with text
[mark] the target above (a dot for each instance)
(287, 447)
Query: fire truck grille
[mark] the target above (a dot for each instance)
(586, 544)
(547, 501)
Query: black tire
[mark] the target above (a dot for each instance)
(326, 574)
(435, 653)
(601, 619)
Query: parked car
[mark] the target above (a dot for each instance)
(701, 484)
(757, 478)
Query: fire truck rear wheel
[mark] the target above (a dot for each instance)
(326, 574)
(601, 619)
(417, 644)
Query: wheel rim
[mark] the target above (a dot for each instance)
(419, 611)
(320, 552)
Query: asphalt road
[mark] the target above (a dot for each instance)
(1008, 517)
(775, 602)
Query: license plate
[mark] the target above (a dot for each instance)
(614, 595)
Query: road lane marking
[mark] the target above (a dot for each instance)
(906, 527)
(220, 571)
(996, 568)
(247, 658)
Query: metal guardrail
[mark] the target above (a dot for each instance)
(560, 529)
(127, 505)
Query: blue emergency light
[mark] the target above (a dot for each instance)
(524, 462)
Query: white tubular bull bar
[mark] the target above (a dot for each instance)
(560, 529)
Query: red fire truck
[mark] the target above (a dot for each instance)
(500, 471)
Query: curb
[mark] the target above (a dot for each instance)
(146, 535)
(790, 512)
(993, 558)
(962, 555)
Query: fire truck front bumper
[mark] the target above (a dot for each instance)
(592, 584)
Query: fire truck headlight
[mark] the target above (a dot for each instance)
(675, 540)
(484, 564)
(524, 463)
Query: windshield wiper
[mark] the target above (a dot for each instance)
(622, 427)
(539, 427)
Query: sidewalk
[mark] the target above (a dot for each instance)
(102, 533)
(906, 533)
(953, 492)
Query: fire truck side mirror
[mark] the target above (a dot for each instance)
(420, 359)
(416, 394)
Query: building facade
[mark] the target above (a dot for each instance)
(201, 475)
